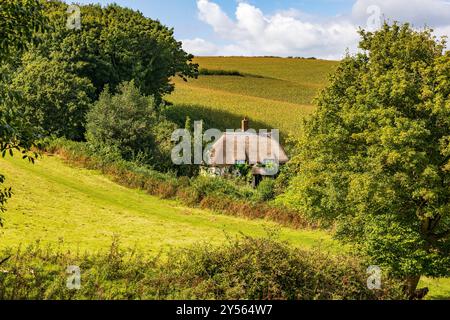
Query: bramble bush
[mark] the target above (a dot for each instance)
(247, 268)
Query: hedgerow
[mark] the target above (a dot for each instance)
(206, 192)
(248, 268)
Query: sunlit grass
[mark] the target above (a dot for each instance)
(56, 203)
(81, 209)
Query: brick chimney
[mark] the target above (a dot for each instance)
(245, 125)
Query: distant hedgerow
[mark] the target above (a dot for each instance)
(210, 72)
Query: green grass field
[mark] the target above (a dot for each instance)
(53, 202)
(82, 210)
(273, 93)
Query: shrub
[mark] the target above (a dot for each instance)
(267, 269)
(130, 123)
(248, 268)
(217, 186)
(266, 190)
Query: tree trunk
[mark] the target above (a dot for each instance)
(411, 284)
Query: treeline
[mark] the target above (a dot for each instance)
(221, 72)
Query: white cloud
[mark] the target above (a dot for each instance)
(291, 32)
(213, 15)
(417, 12)
(199, 47)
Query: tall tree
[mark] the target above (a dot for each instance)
(54, 100)
(116, 44)
(375, 157)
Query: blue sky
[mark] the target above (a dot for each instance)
(321, 28)
(182, 14)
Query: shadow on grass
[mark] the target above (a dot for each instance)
(439, 297)
(212, 118)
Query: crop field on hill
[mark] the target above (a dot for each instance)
(301, 71)
(272, 92)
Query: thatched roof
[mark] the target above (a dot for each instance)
(236, 147)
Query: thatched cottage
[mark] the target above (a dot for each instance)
(262, 151)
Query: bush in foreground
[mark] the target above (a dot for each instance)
(248, 268)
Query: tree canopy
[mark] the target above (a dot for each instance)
(117, 44)
(20, 20)
(54, 100)
(130, 123)
(375, 156)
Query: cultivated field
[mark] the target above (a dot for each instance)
(272, 92)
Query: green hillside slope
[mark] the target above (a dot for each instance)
(53, 202)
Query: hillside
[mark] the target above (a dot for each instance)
(273, 92)
(56, 203)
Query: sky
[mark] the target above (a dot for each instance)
(324, 29)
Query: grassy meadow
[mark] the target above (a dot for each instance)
(272, 92)
(95, 109)
(84, 210)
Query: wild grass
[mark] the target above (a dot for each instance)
(80, 211)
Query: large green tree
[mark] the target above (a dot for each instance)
(20, 21)
(374, 159)
(116, 44)
(54, 99)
